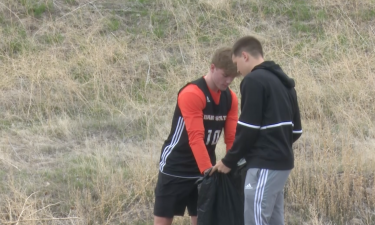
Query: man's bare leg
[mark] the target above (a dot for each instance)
(162, 220)
(194, 220)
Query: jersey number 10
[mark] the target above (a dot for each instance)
(215, 137)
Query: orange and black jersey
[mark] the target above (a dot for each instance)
(199, 118)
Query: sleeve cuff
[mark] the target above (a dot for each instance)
(228, 163)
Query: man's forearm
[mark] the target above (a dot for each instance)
(245, 138)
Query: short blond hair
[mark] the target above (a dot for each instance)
(222, 59)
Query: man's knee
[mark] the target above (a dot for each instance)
(194, 220)
(162, 220)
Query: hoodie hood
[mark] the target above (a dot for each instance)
(277, 71)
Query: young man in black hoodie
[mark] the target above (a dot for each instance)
(268, 125)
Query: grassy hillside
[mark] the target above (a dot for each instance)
(88, 88)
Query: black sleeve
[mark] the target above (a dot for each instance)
(297, 129)
(248, 126)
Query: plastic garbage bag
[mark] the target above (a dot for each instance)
(219, 203)
(238, 176)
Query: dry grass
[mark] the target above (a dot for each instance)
(88, 90)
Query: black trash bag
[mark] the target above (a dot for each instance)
(219, 203)
(237, 176)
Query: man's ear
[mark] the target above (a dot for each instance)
(245, 56)
(212, 67)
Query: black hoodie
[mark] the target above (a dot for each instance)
(269, 122)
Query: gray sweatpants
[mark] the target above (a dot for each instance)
(264, 196)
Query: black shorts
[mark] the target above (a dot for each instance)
(173, 195)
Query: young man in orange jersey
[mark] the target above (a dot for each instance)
(204, 108)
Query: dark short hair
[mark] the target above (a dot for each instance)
(248, 44)
(222, 59)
